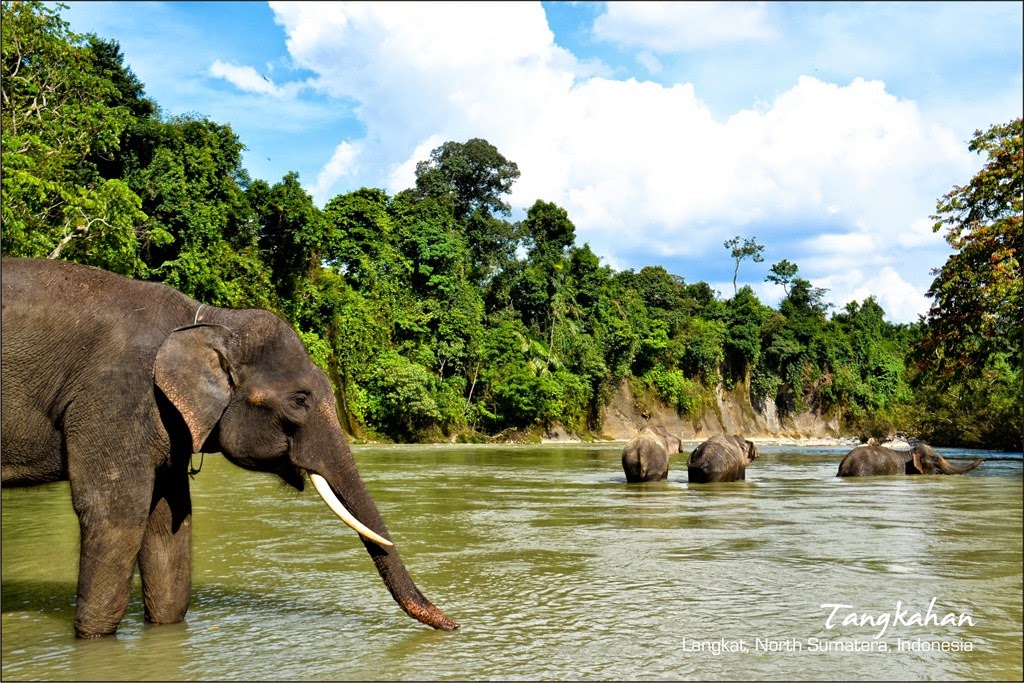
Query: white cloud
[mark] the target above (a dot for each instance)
(683, 26)
(838, 175)
(901, 300)
(245, 78)
(341, 165)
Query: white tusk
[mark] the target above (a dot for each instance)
(324, 489)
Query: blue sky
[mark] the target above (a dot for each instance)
(827, 131)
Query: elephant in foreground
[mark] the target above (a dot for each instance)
(720, 458)
(645, 457)
(875, 460)
(112, 384)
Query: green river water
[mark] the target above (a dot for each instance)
(557, 569)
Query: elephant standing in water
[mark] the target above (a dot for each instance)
(874, 460)
(720, 458)
(645, 457)
(112, 384)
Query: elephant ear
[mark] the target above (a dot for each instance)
(192, 370)
(915, 464)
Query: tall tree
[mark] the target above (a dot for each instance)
(977, 308)
(467, 175)
(748, 249)
(970, 353)
(471, 179)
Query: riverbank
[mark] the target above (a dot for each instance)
(560, 436)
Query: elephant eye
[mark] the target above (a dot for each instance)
(300, 400)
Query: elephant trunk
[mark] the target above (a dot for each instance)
(328, 460)
(948, 468)
(353, 496)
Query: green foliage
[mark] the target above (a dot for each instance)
(675, 389)
(399, 397)
(58, 114)
(978, 294)
(467, 176)
(698, 349)
(783, 273)
(969, 356)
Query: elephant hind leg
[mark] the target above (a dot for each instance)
(166, 553)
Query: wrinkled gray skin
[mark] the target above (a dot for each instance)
(112, 384)
(645, 457)
(874, 460)
(720, 458)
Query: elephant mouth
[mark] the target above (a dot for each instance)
(336, 506)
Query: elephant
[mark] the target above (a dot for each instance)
(875, 460)
(113, 384)
(721, 458)
(645, 457)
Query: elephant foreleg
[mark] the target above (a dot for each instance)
(165, 556)
(106, 566)
(112, 503)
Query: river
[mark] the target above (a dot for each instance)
(557, 569)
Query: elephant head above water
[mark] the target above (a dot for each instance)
(721, 458)
(646, 456)
(874, 460)
(112, 384)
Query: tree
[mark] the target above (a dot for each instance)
(783, 273)
(549, 234)
(749, 249)
(58, 113)
(977, 308)
(468, 176)
(470, 179)
(969, 356)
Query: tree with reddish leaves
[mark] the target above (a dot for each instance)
(972, 339)
(977, 309)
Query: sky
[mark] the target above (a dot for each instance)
(828, 132)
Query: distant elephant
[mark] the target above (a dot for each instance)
(645, 457)
(874, 460)
(112, 384)
(720, 458)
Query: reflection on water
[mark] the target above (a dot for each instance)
(557, 569)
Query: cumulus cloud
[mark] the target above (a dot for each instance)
(836, 174)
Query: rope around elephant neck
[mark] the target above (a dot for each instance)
(193, 471)
(195, 321)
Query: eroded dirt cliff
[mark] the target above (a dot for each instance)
(731, 413)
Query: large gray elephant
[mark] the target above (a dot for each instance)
(112, 384)
(721, 458)
(875, 460)
(646, 456)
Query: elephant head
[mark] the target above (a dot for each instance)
(924, 460)
(246, 387)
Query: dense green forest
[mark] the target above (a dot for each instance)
(437, 317)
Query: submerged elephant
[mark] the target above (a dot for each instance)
(645, 457)
(720, 458)
(874, 460)
(112, 384)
